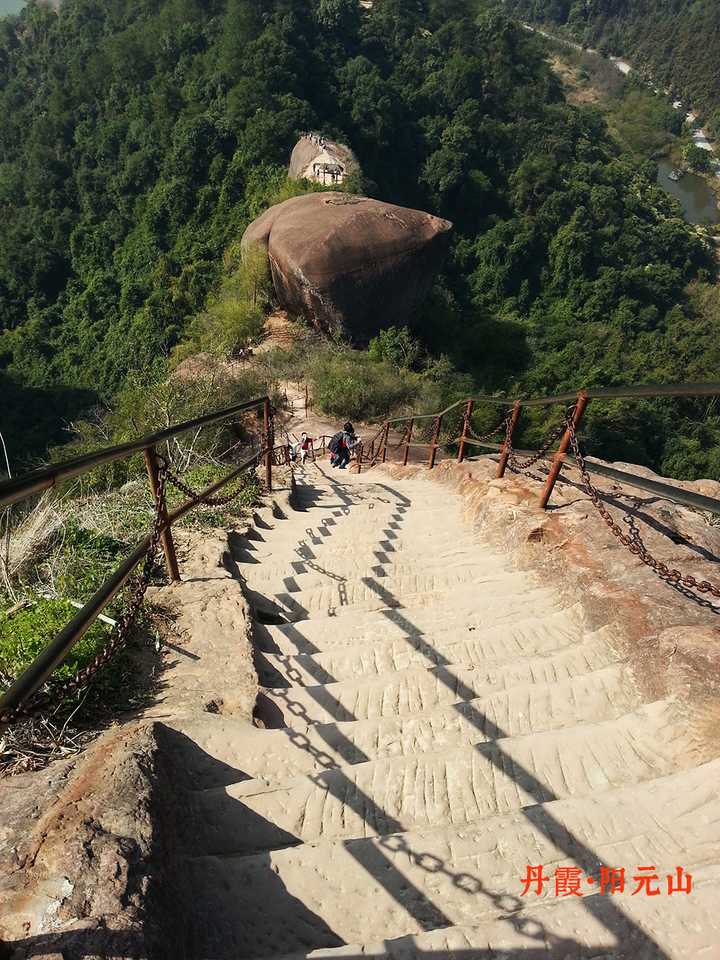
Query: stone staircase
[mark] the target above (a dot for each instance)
(435, 722)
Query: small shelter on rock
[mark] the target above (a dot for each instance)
(321, 160)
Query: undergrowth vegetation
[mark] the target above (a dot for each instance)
(59, 549)
(235, 316)
(141, 138)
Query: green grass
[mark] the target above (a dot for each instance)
(25, 633)
(74, 563)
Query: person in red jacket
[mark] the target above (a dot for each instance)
(306, 446)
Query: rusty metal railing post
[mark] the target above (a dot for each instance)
(166, 539)
(267, 429)
(385, 441)
(434, 442)
(465, 429)
(559, 458)
(505, 451)
(408, 437)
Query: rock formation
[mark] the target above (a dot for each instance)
(321, 160)
(350, 263)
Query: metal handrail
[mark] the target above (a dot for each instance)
(593, 393)
(46, 477)
(30, 681)
(579, 400)
(11, 491)
(664, 490)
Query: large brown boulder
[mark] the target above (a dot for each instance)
(350, 263)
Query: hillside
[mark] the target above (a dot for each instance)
(140, 138)
(676, 41)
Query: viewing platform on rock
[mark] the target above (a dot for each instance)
(321, 160)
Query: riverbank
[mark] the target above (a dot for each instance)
(700, 136)
(585, 76)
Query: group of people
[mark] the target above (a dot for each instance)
(340, 446)
(315, 138)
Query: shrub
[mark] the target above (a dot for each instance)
(349, 384)
(235, 316)
(397, 346)
(696, 158)
(148, 404)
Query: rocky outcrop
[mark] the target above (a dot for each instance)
(321, 160)
(350, 263)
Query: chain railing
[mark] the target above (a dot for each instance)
(376, 449)
(523, 466)
(23, 697)
(521, 462)
(119, 634)
(633, 541)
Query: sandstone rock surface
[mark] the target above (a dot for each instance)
(453, 684)
(325, 161)
(350, 263)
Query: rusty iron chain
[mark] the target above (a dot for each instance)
(174, 480)
(120, 633)
(503, 425)
(521, 466)
(183, 487)
(402, 441)
(633, 541)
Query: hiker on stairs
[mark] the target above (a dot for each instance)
(305, 446)
(341, 443)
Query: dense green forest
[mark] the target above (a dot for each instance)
(139, 137)
(675, 41)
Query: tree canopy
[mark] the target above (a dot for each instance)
(676, 41)
(141, 136)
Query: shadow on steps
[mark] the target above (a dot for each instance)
(194, 898)
(128, 945)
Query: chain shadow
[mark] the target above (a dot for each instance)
(571, 845)
(381, 858)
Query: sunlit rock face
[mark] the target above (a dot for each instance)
(321, 160)
(348, 263)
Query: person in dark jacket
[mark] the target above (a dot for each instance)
(340, 446)
(334, 447)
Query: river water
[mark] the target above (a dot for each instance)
(698, 201)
